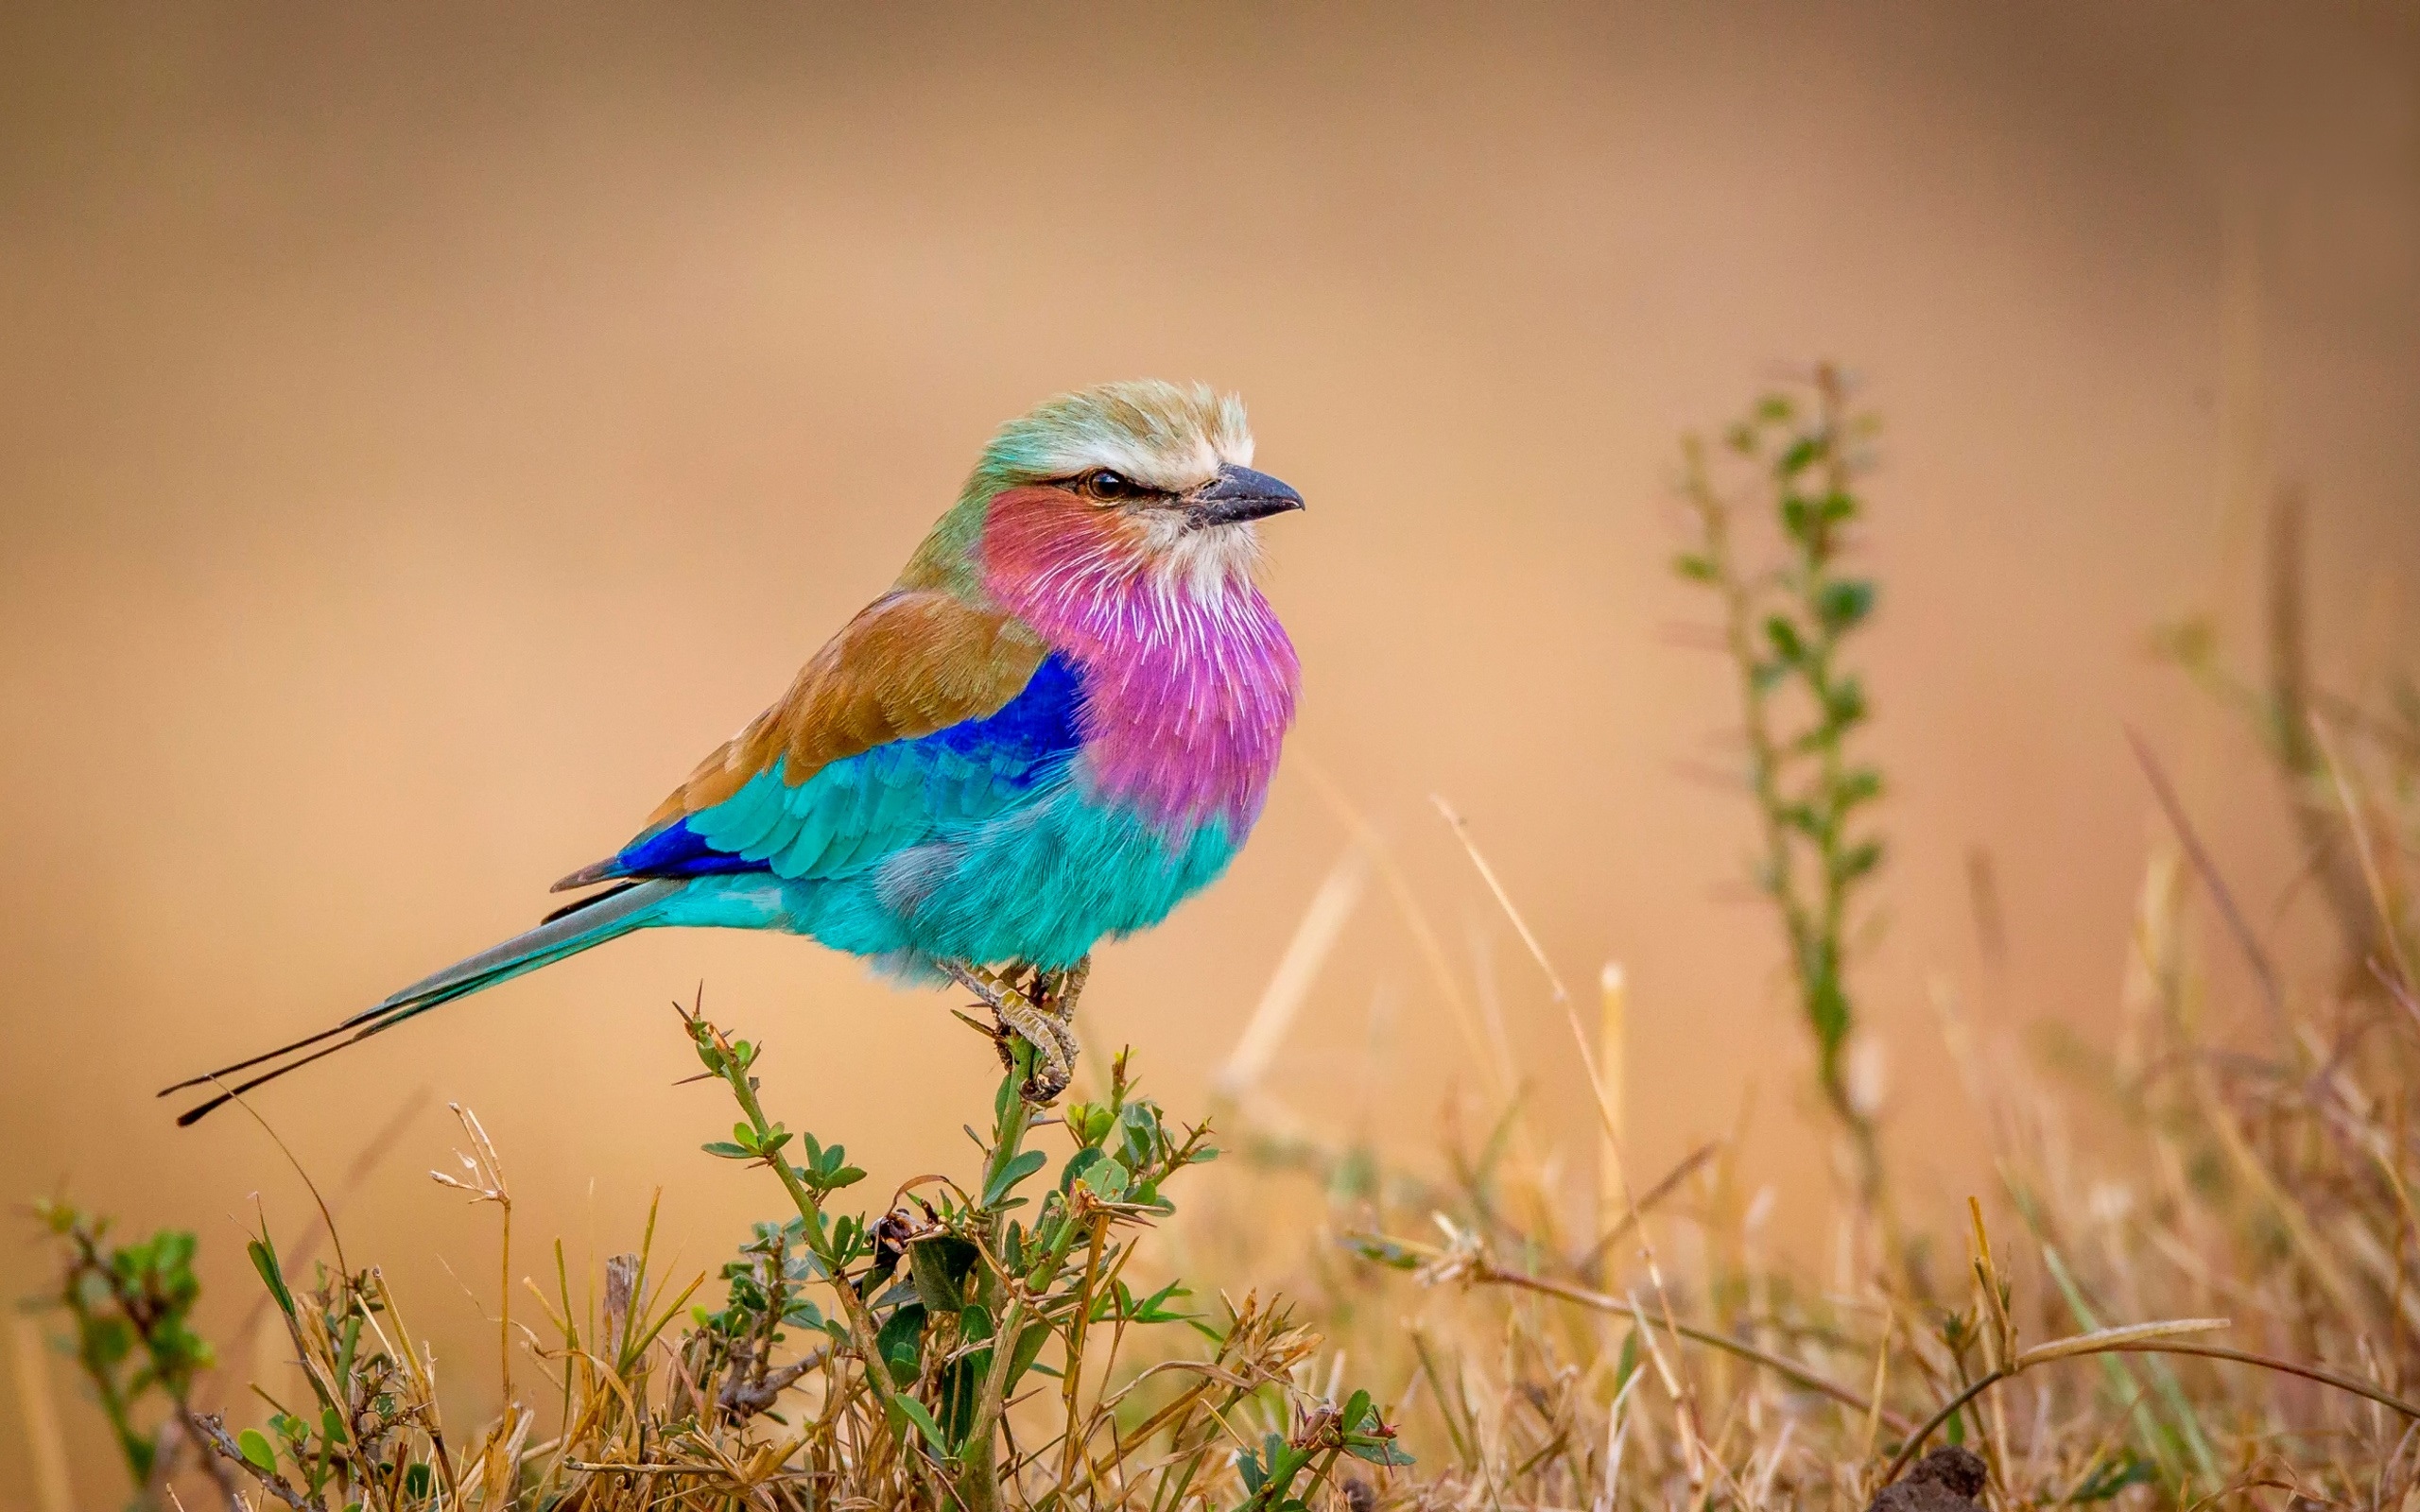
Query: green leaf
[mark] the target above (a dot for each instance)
(1857, 861)
(804, 1313)
(1782, 635)
(728, 1150)
(1801, 455)
(827, 1169)
(265, 1261)
(1247, 1466)
(1391, 1253)
(1693, 567)
(1381, 1451)
(1005, 1180)
(1139, 1123)
(938, 1267)
(1843, 602)
(1029, 1348)
(1152, 1309)
(1090, 1123)
(1078, 1163)
(1105, 1179)
(914, 1412)
(900, 1342)
(1846, 704)
(257, 1453)
(975, 1324)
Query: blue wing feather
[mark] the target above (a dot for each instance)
(853, 812)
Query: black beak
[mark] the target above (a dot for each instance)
(1237, 495)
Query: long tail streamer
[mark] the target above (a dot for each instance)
(568, 932)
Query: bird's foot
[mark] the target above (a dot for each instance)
(1055, 995)
(1015, 1007)
(1055, 992)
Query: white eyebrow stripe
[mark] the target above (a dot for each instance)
(1158, 468)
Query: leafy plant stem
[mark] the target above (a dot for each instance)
(862, 1333)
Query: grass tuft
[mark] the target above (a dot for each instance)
(2211, 1297)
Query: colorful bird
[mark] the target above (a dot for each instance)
(1059, 723)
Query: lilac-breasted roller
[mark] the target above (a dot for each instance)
(1057, 725)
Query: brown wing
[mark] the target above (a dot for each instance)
(916, 661)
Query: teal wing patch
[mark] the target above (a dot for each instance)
(851, 813)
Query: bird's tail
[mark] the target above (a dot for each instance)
(568, 932)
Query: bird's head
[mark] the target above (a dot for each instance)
(1126, 477)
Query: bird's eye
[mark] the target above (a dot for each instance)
(1107, 486)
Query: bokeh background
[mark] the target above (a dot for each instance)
(425, 430)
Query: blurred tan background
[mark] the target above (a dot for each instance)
(425, 430)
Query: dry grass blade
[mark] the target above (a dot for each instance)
(1289, 985)
(2272, 996)
(45, 1440)
(2125, 1336)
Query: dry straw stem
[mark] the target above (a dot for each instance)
(1415, 919)
(2177, 1178)
(2132, 1338)
(2381, 900)
(374, 1152)
(1609, 1119)
(482, 1179)
(1605, 1114)
(1463, 1262)
(1289, 985)
(2272, 995)
(1613, 1053)
(743, 1091)
(45, 1440)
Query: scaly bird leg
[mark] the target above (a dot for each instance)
(1055, 993)
(1058, 992)
(1053, 1047)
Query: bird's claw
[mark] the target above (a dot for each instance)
(1039, 1013)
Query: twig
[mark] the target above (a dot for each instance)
(213, 1428)
(2272, 994)
(2133, 1338)
(1639, 1209)
(1488, 1273)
